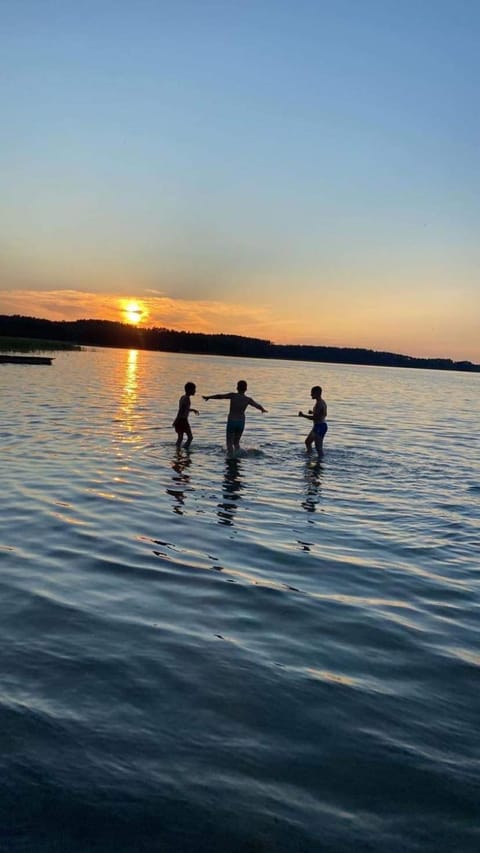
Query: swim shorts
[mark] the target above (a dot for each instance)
(235, 425)
(320, 429)
(181, 424)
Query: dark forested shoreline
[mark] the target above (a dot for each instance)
(107, 333)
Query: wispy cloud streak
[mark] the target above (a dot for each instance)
(193, 315)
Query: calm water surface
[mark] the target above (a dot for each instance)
(271, 654)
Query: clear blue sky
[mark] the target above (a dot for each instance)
(308, 171)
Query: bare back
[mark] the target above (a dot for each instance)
(238, 404)
(319, 411)
(183, 406)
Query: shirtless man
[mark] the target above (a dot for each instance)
(181, 424)
(318, 416)
(236, 416)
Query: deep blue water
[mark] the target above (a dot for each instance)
(276, 653)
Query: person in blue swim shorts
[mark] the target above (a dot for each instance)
(236, 416)
(318, 415)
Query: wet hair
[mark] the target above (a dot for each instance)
(190, 388)
(241, 385)
(316, 390)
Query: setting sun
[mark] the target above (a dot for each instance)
(133, 312)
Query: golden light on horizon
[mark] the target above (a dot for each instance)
(133, 311)
(128, 410)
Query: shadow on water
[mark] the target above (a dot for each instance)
(313, 484)
(181, 480)
(231, 488)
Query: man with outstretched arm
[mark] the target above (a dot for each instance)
(236, 416)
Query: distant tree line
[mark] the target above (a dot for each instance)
(107, 333)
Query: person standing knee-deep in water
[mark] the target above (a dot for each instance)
(236, 416)
(181, 424)
(318, 415)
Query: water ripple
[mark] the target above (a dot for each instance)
(274, 653)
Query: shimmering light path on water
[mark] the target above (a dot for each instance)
(274, 653)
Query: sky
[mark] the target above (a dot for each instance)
(306, 172)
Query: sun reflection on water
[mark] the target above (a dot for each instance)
(130, 394)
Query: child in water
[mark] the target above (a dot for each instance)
(318, 415)
(236, 416)
(180, 423)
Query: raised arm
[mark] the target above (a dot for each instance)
(251, 402)
(218, 396)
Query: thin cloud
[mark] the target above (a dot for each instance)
(163, 311)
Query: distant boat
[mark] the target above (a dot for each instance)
(25, 359)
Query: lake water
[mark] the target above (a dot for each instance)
(271, 654)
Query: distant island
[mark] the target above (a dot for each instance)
(107, 333)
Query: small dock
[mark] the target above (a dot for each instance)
(25, 359)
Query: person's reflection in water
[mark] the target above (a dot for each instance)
(231, 488)
(181, 479)
(313, 482)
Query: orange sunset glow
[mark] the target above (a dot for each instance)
(382, 321)
(133, 311)
(331, 202)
